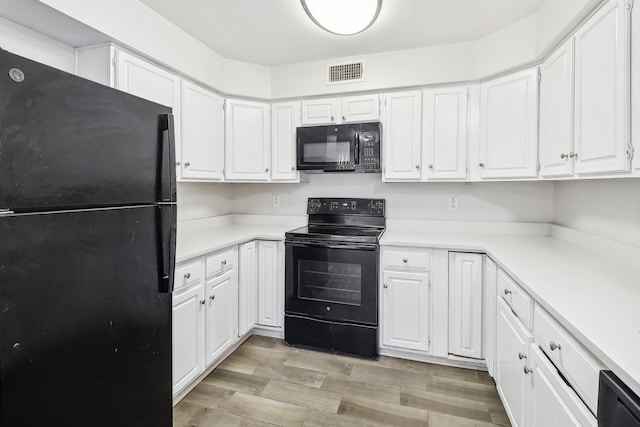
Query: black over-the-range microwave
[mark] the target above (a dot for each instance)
(351, 147)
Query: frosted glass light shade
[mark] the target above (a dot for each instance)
(343, 17)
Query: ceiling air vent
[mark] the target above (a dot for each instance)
(345, 73)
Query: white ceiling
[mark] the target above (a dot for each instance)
(275, 32)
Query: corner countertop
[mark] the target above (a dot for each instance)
(595, 296)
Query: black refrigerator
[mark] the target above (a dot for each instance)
(87, 252)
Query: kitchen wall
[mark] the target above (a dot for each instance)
(30, 44)
(203, 200)
(606, 208)
(493, 201)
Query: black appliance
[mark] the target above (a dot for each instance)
(331, 277)
(88, 222)
(618, 405)
(339, 148)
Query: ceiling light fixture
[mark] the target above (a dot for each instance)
(343, 17)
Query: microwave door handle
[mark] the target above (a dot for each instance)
(356, 148)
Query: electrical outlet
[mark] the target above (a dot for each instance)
(453, 203)
(275, 198)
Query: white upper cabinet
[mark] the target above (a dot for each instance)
(202, 133)
(348, 109)
(285, 118)
(402, 128)
(602, 136)
(360, 108)
(556, 113)
(509, 126)
(444, 133)
(247, 140)
(319, 111)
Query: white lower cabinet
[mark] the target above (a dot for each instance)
(512, 382)
(221, 327)
(247, 287)
(188, 335)
(406, 310)
(552, 402)
(465, 304)
(270, 283)
(489, 319)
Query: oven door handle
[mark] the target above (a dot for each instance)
(353, 246)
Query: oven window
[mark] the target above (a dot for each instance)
(330, 281)
(327, 152)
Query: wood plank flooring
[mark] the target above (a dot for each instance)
(267, 383)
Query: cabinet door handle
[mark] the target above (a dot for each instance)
(564, 156)
(507, 291)
(573, 155)
(430, 166)
(385, 286)
(405, 260)
(178, 163)
(417, 166)
(224, 262)
(212, 297)
(293, 168)
(481, 164)
(527, 370)
(333, 119)
(188, 275)
(553, 346)
(202, 302)
(187, 164)
(344, 117)
(521, 356)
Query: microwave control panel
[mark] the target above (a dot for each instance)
(369, 151)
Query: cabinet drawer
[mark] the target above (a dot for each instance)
(407, 259)
(519, 301)
(220, 261)
(188, 273)
(578, 365)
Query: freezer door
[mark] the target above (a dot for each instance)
(85, 320)
(66, 142)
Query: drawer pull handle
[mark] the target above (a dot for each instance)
(507, 291)
(553, 346)
(521, 356)
(405, 260)
(527, 370)
(202, 302)
(187, 276)
(212, 297)
(224, 262)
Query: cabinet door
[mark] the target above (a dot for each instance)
(361, 108)
(406, 310)
(635, 90)
(141, 78)
(270, 284)
(490, 294)
(444, 136)
(511, 350)
(552, 402)
(247, 288)
(402, 133)
(188, 336)
(221, 314)
(285, 118)
(509, 126)
(319, 111)
(202, 133)
(465, 304)
(247, 140)
(602, 91)
(556, 113)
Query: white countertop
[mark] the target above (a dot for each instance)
(594, 296)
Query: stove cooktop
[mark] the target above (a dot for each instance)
(337, 233)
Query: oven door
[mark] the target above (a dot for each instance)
(332, 281)
(328, 148)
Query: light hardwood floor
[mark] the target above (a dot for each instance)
(265, 382)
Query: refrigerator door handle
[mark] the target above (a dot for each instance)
(167, 171)
(166, 223)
